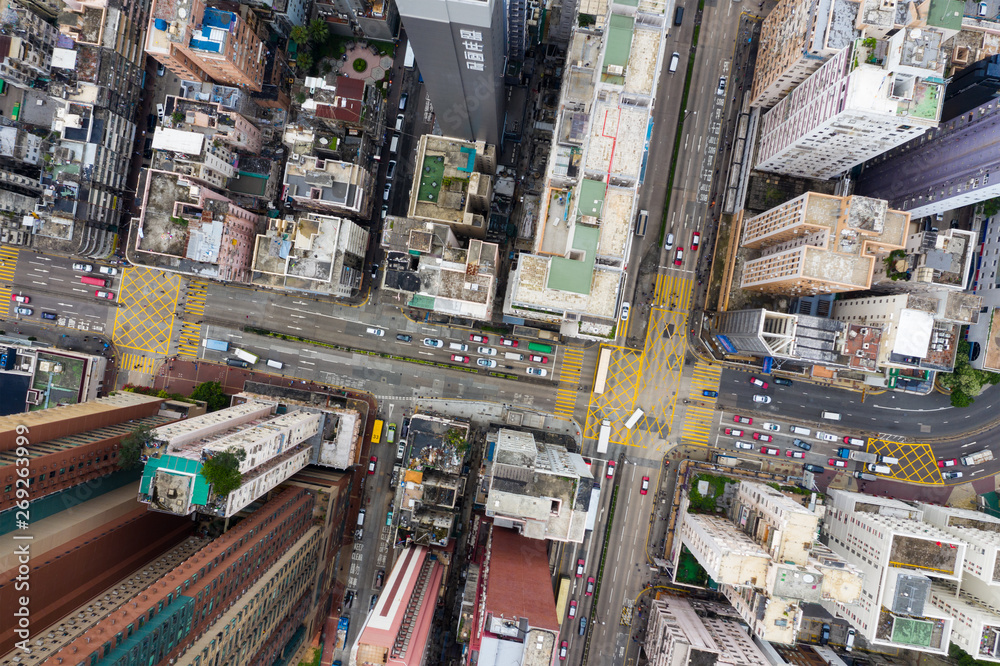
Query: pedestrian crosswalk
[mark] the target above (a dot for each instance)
(132, 362)
(189, 338)
(569, 381)
(8, 262)
(699, 422)
(705, 377)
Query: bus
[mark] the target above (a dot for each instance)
(605, 436)
(539, 347)
(562, 599)
(603, 364)
(95, 281)
(632, 420)
(377, 432)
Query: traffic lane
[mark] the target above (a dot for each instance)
(85, 307)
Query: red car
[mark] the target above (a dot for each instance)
(770, 451)
(563, 650)
(535, 358)
(590, 586)
(679, 257)
(371, 464)
(459, 359)
(733, 432)
(795, 454)
(20, 299)
(836, 462)
(948, 462)
(580, 564)
(758, 382)
(572, 608)
(508, 342)
(762, 437)
(747, 420)
(479, 338)
(645, 486)
(611, 469)
(695, 241)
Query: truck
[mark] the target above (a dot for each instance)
(409, 57)
(604, 437)
(729, 461)
(246, 356)
(343, 624)
(595, 506)
(977, 458)
(851, 454)
(215, 345)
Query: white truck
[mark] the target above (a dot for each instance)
(246, 356)
(604, 437)
(977, 458)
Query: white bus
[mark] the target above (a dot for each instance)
(604, 361)
(604, 437)
(632, 420)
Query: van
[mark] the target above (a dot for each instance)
(361, 518)
(888, 460)
(831, 416)
(511, 356)
(390, 170)
(674, 59)
(849, 641)
(275, 364)
(878, 469)
(864, 476)
(984, 9)
(394, 144)
(799, 430)
(458, 346)
(399, 122)
(678, 16)
(237, 363)
(402, 101)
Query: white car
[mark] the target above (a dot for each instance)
(487, 351)
(377, 332)
(624, 314)
(669, 244)
(86, 268)
(540, 372)
(433, 342)
(826, 437)
(744, 445)
(771, 426)
(486, 363)
(762, 399)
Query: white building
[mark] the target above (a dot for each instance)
(688, 631)
(872, 96)
(987, 286)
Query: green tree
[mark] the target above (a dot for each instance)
(223, 470)
(304, 61)
(966, 381)
(455, 438)
(300, 35)
(318, 31)
(211, 393)
(131, 446)
(961, 399)
(991, 207)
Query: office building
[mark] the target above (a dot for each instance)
(972, 87)
(275, 448)
(766, 560)
(872, 96)
(397, 629)
(683, 631)
(460, 46)
(933, 174)
(986, 285)
(199, 42)
(819, 243)
(799, 338)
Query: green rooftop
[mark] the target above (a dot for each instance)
(946, 14)
(58, 388)
(926, 102)
(181, 467)
(619, 41)
(431, 178)
(591, 197)
(571, 274)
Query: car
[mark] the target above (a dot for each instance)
(826, 437)
(86, 268)
(374, 271)
(624, 314)
(399, 121)
(590, 586)
(49, 315)
(802, 444)
(487, 351)
(535, 358)
(764, 399)
(679, 256)
(854, 441)
(509, 342)
(377, 332)
(572, 608)
(695, 241)
(349, 598)
(580, 566)
(406, 427)
(669, 244)
(815, 469)
(433, 342)
(759, 383)
(951, 475)
(733, 432)
(837, 462)
(385, 191)
(402, 337)
(402, 101)
(538, 372)
(380, 576)
(21, 310)
(458, 358)
(710, 394)
(781, 381)
(773, 427)
(160, 112)
(824, 635)
(764, 437)
(644, 488)
(563, 650)
(110, 295)
(385, 211)
(770, 451)
(20, 299)
(721, 89)
(390, 171)
(160, 69)
(745, 420)
(583, 624)
(486, 363)
(372, 462)
(744, 445)
(795, 454)
(948, 462)
(475, 337)
(107, 270)
(611, 469)
(849, 640)
(371, 604)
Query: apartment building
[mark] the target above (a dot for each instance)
(37, 376)
(819, 243)
(931, 260)
(687, 631)
(328, 186)
(349, 114)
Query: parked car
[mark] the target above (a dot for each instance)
(509, 342)
(433, 342)
(486, 363)
(746, 420)
(475, 337)
(710, 394)
(948, 462)
(733, 432)
(744, 445)
(837, 462)
(580, 566)
(488, 351)
(770, 451)
(782, 381)
(815, 469)
(720, 90)
(760, 383)
(644, 488)
(49, 315)
(763, 399)
(611, 469)
(824, 634)
(458, 358)
(377, 332)
(385, 191)
(538, 372)
(535, 358)
(791, 453)
(773, 427)
(624, 314)
(160, 69)
(385, 211)
(762, 436)
(372, 463)
(563, 650)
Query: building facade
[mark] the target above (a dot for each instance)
(683, 631)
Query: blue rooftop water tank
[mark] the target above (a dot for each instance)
(160, 24)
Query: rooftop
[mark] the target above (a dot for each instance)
(520, 585)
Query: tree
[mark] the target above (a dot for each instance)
(300, 35)
(965, 381)
(318, 30)
(304, 61)
(961, 399)
(223, 471)
(211, 393)
(455, 439)
(131, 446)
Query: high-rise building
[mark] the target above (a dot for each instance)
(872, 96)
(460, 46)
(764, 333)
(819, 243)
(931, 260)
(972, 87)
(692, 631)
(934, 174)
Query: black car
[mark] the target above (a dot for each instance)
(402, 337)
(406, 428)
(805, 446)
(815, 469)
(824, 636)
(781, 381)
